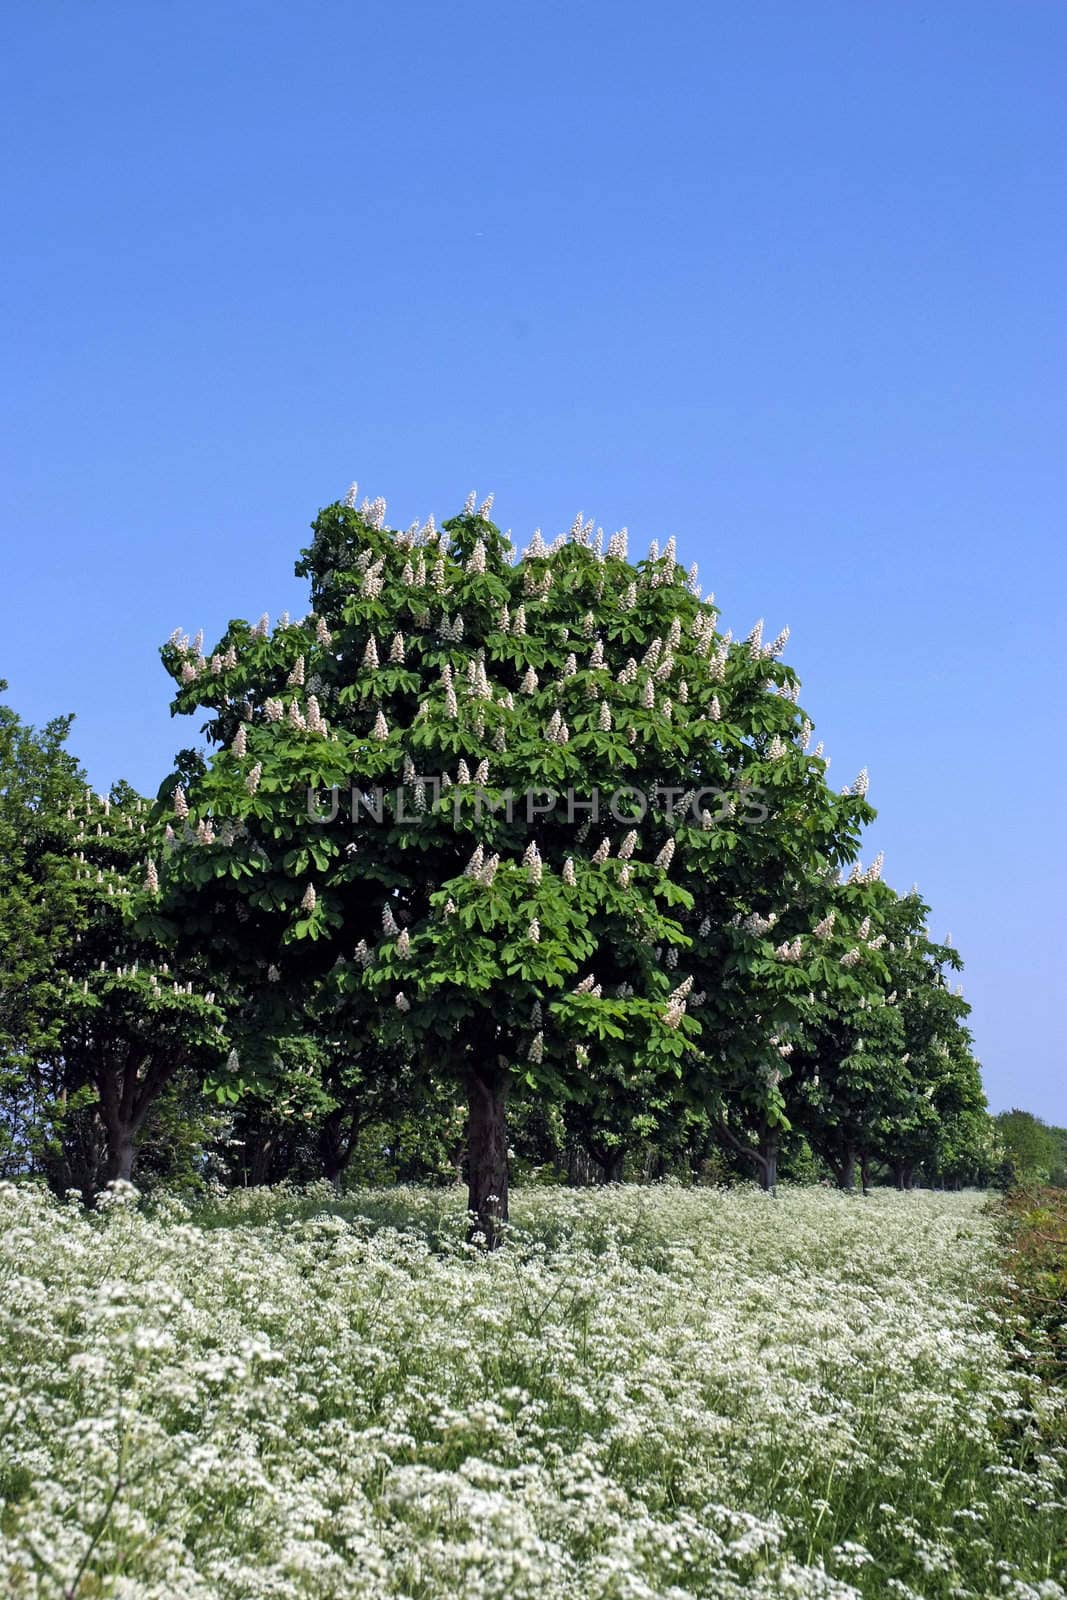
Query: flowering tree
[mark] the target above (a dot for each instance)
(95, 1027)
(939, 1123)
(882, 1072)
(549, 798)
(127, 1025)
(780, 944)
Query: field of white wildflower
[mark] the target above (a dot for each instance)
(650, 1393)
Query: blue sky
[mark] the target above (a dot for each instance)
(783, 280)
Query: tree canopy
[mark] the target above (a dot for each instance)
(482, 830)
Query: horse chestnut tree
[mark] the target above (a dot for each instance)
(527, 817)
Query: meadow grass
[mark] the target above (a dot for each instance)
(651, 1392)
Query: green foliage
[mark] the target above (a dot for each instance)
(334, 920)
(96, 1026)
(887, 1076)
(620, 962)
(1031, 1150)
(39, 780)
(328, 1112)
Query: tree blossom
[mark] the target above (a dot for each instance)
(476, 560)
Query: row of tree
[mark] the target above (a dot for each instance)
(479, 829)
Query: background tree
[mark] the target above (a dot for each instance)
(797, 952)
(94, 1027)
(882, 1071)
(1029, 1146)
(39, 783)
(303, 1119)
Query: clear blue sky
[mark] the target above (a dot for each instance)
(784, 280)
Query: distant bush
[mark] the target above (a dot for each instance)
(1038, 1265)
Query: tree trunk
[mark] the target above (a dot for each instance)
(845, 1171)
(698, 1154)
(865, 1174)
(612, 1165)
(336, 1142)
(487, 1153)
(258, 1161)
(763, 1155)
(128, 1089)
(579, 1168)
(609, 1160)
(767, 1162)
(121, 1151)
(117, 1085)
